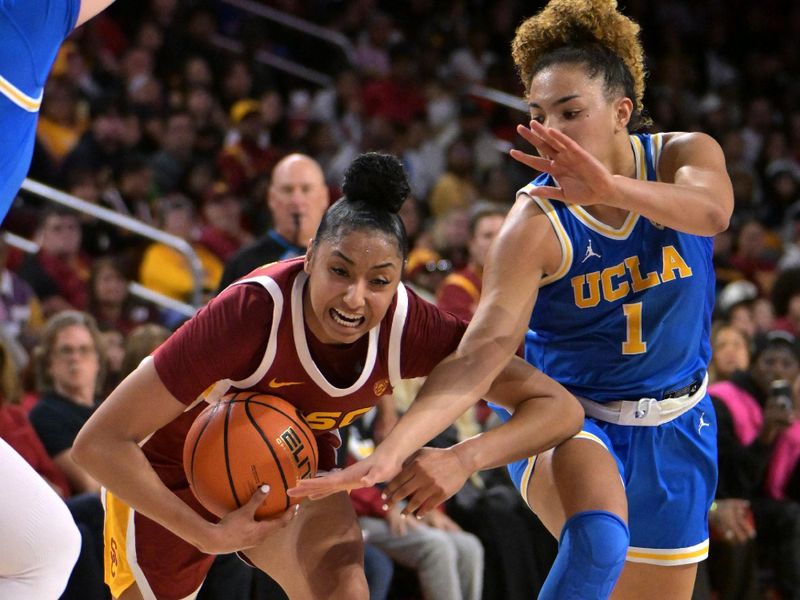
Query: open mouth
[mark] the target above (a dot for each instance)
(346, 320)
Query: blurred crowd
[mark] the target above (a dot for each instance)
(168, 112)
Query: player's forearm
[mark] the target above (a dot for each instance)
(689, 209)
(537, 425)
(123, 469)
(453, 386)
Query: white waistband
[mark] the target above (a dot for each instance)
(646, 412)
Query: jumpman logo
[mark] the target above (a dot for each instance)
(702, 423)
(590, 253)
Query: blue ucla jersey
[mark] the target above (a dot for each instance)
(628, 312)
(31, 31)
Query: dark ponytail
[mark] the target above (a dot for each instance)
(375, 187)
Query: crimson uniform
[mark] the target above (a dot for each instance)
(253, 336)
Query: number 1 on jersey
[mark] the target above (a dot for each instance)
(633, 343)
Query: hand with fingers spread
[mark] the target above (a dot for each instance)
(582, 179)
(368, 472)
(431, 476)
(239, 530)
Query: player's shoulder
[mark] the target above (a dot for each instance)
(674, 142)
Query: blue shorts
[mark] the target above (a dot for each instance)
(670, 477)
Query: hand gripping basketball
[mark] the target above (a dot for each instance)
(243, 442)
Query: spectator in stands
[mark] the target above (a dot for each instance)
(172, 162)
(250, 156)
(16, 429)
(69, 369)
(110, 301)
(340, 105)
(730, 351)
(297, 198)
(59, 272)
(209, 119)
(397, 97)
(460, 291)
(455, 188)
(103, 146)
(786, 301)
(471, 128)
(448, 561)
(166, 270)
(372, 47)
(754, 257)
(735, 305)
(131, 191)
(469, 63)
(60, 122)
(750, 421)
(424, 272)
(222, 232)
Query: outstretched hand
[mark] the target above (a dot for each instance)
(582, 179)
(366, 473)
(432, 476)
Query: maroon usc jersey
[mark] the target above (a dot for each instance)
(253, 337)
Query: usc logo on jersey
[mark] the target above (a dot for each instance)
(380, 387)
(324, 420)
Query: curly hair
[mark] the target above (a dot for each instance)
(589, 32)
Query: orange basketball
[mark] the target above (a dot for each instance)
(244, 441)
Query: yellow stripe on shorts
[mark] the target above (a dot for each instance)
(673, 557)
(116, 570)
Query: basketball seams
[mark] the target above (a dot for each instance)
(210, 415)
(302, 426)
(227, 455)
(260, 431)
(215, 444)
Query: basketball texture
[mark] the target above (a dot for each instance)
(242, 442)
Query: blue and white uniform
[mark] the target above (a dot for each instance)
(31, 32)
(624, 324)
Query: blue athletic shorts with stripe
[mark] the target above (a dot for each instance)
(670, 476)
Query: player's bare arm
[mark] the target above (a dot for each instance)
(91, 8)
(545, 414)
(525, 249)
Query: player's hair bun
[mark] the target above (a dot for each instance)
(378, 180)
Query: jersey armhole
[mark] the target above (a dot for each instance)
(396, 336)
(221, 387)
(546, 206)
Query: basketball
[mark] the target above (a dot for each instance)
(242, 442)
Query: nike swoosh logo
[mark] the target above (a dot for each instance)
(279, 384)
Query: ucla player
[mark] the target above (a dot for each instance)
(330, 333)
(31, 32)
(31, 514)
(612, 244)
